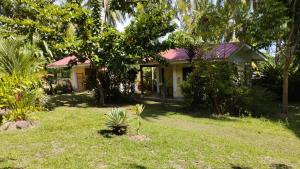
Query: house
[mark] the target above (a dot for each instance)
(78, 72)
(172, 74)
(179, 65)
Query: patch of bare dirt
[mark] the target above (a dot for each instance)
(139, 138)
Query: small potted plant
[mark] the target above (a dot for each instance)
(117, 121)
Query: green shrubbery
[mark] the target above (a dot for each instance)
(272, 79)
(213, 83)
(20, 79)
(218, 85)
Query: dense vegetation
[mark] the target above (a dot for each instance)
(21, 66)
(216, 130)
(88, 30)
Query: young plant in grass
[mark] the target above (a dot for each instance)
(117, 121)
(139, 108)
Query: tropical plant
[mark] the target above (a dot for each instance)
(212, 82)
(117, 121)
(21, 95)
(139, 108)
(19, 57)
(20, 78)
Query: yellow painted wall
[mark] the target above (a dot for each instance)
(179, 77)
(80, 69)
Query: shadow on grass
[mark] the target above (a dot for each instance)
(81, 100)
(2, 160)
(155, 109)
(6, 159)
(106, 133)
(239, 167)
(136, 166)
(84, 100)
(280, 166)
(294, 119)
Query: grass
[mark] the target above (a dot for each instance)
(70, 137)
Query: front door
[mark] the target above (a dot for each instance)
(80, 81)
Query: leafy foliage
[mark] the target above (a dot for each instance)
(117, 121)
(214, 82)
(139, 108)
(19, 57)
(152, 21)
(256, 101)
(218, 85)
(21, 79)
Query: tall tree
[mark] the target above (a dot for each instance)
(291, 43)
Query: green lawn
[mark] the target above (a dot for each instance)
(70, 137)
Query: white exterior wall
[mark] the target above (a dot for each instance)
(74, 78)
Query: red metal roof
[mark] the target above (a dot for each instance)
(222, 51)
(176, 54)
(65, 61)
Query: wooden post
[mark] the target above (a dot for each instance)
(142, 80)
(174, 81)
(152, 79)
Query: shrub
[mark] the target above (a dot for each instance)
(217, 84)
(214, 83)
(139, 108)
(257, 101)
(63, 86)
(117, 121)
(272, 78)
(21, 95)
(21, 66)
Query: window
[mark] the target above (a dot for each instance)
(185, 72)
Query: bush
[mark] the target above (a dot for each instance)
(21, 95)
(21, 65)
(272, 79)
(214, 83)
(63, 86)
(117, 121)
(217, 85)
(256, 101)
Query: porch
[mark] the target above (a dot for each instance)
(166, 80)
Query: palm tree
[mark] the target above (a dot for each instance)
(19, 57)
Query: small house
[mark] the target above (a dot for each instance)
(179, 65)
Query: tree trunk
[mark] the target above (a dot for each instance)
(285, 84)
(277, 55)
(100, 90)
(215, 106)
